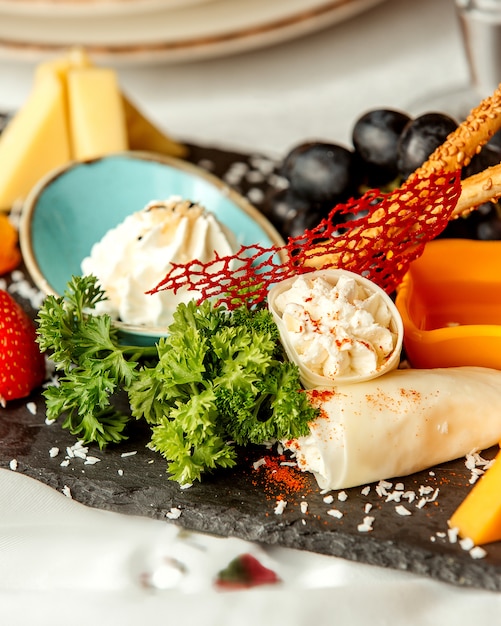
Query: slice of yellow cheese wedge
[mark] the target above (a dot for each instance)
(76, 111)
(96, 113)
(35, 141)
(478, 517)
(144, 135)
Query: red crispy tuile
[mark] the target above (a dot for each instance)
(377, 235)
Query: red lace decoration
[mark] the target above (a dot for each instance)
(377, 236)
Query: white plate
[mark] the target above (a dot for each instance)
(77, 8)
(199, 31)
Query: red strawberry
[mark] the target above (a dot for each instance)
(243, 572)
(22, 365)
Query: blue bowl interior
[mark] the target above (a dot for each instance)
(81, 204)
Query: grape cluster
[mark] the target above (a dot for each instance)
(388, 145)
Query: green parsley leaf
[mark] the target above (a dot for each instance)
(218, 379)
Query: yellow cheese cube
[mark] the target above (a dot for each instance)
(96, 113)
(35, 141)
(478, 517)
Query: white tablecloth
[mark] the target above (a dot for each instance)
(62, 563)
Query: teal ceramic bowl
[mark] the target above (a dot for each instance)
(73, 207)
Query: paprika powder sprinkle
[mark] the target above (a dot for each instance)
(280, 478)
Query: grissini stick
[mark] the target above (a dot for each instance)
(461, 146)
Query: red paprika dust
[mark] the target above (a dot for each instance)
(282, 479)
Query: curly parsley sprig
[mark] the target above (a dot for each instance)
(219, 378)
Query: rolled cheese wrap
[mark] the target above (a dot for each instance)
(401, 423)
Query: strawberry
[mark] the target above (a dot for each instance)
(22, 365)
(243, 572)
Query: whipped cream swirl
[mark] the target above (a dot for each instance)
(136, 255)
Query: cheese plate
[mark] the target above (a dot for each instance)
(400, 523)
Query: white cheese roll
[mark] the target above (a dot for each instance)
(400, 423)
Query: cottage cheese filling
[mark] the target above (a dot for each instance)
(340, 330)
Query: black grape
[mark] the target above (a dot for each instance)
(375, 138)
(321, 173)
(420, 138)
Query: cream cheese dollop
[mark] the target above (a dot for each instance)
(136, 255)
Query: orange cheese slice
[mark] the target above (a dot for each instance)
(478, 517)
(35, 141)
(96, 113)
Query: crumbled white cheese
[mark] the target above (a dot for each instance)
(304, 507)
(257, 464)
(67, 491)
(394, 496)
(402, 510)
(329, 499)
(126, 454)
(366, 525)
(13, 465)
(466, 543)
(336, 330)
(478, 553)
(410, 496)
(53, 452)
(342, 496)
(280, 507)
(174, 513)
(382, 488)
(91, 460)
(32, 407)
(335, 513)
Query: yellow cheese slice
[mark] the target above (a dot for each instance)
(96, 113)
(143, 135)
(76, 57)
(35, 141)
(478, 517)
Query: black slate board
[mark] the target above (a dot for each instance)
(241, 502)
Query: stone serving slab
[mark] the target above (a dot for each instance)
(401, 523)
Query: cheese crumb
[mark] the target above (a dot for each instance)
(335, 513)
(329, 499)
(53, 452)
(67, 491)
(466, 543)
(13, 465)
(32, 408)
(304, 507)
(401, 510)
(280, 507)
(366, 525)
(174, 513)
(478, 553)
(91, 460)
(342, 496)
(257, 464)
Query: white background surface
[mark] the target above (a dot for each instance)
(61, 563)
